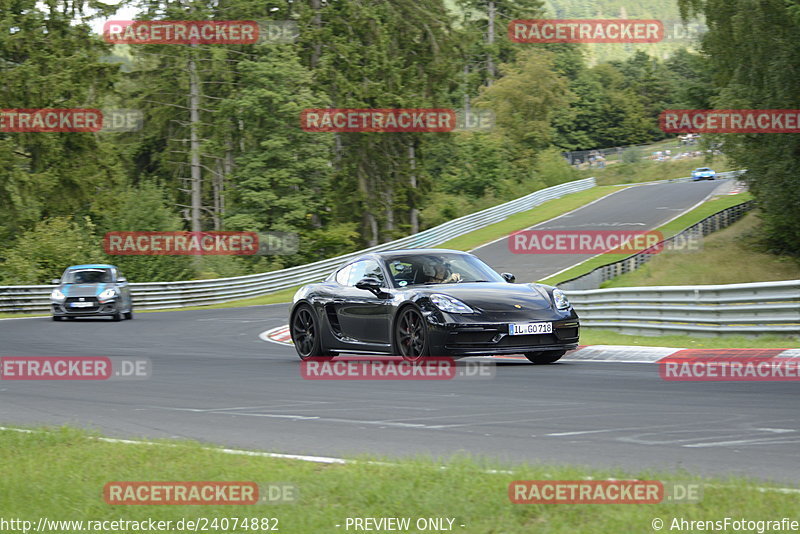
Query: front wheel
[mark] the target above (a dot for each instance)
(305, 333)
(128, 315)
(545, 357)
(57, 317)
(411, 335)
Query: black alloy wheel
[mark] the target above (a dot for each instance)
(411, 335)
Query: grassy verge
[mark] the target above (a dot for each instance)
(61, 474)
(602, 336)
(671, 228)
(520, 221)
(730, 256)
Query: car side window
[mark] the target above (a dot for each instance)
(364, 269)
(342, 275)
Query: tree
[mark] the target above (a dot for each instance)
(383, 54)
(754, 51)
(47, 60)
(140, 209)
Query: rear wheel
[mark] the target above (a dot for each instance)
(306, 335)
(411, 335)
(545, 357)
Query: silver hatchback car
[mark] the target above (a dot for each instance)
(92, 290)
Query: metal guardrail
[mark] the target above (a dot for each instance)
(163, 295)
(758, 308)
(712, 223)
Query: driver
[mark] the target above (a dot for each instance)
(437, 273)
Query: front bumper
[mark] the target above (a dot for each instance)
(492, 338)
(96, 309)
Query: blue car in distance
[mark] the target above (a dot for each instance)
(92, 290)
(703, 173)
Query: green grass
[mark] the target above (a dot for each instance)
(602, 336)
(520, 221)
(60, 475)
(671, 228)
(730, 256)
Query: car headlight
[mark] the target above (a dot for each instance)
(108, 294)
(57, 296)
(449, 304)
(560, 299)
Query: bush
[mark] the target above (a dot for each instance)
(43, 253)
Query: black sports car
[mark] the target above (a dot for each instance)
(430, 302)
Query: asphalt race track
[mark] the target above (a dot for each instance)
(633, 209)
(214, 380)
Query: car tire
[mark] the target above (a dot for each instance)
(411, 335)
(544, 357)
(128, 315)
(305, 331)
(57, 318)
(116, 317)
(70, 318)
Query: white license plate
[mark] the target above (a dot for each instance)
(526, 329)
(82, 304)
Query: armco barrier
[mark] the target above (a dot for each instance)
(162, 295)
(712, 223)
(758, 308)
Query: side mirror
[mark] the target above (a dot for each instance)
(369, 284)
(122, 279)
(55, 281)
(510, 278)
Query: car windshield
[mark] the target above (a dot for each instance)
(418, 269)
(87, 276)
(703, 169)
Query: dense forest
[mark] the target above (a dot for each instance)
(221, 147)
